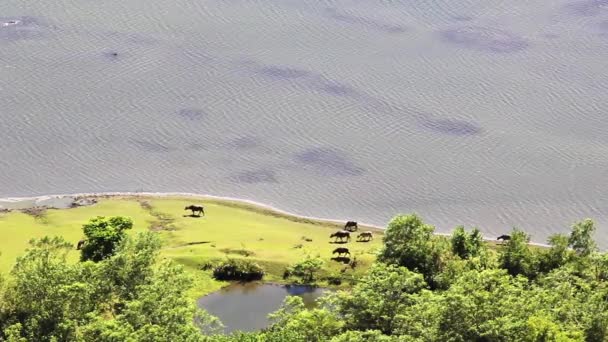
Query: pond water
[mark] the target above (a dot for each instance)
(245, 307)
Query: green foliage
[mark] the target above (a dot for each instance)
(132, 266)
(47, 297)
(128, 296)
(467, 245)
(238, 269)
(516, 256)
(373, 302)
(305, 270)
(161, 311)
(581, 238)
(428, 288)
(294, 322)
(459, 242)
(362, 336)
(410, 243)
(103, 236)
(557, 256)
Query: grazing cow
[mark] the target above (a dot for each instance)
(340, 251)
(351, 226)
(340, 235)
(365, 236)
(80, 244)
(197, 210)
(504, 237)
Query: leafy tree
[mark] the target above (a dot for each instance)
(131, 266)
(294, 322)
(556, 256)
(410, 243)
(467, 245)
(516, 256)
(306, 269)
(480, 306)
(47, 298)
(581, 238)
(475, 244)
(406, 242)
(103, 236)
(161, 311)
(542, 328)
(420, 321)
(375, 300)
(126, 297)
(459, 242)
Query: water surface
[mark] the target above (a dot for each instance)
(487, 113)
(245, 307)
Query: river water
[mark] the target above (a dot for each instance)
(488, 113)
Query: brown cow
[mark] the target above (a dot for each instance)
(340, 235)
(365, 236)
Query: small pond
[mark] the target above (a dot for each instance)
(245, 307)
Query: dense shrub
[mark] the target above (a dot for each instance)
(238, 269)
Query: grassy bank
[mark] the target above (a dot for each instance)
(229, 230)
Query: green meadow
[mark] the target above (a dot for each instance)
(228, 230)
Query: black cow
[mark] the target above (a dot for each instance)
(197, 210)
(351, 226)
(340, 251)
(80, 244)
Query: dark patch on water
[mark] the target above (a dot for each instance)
(338, 89)
(192, 113)
(198, 57)
(371, 24)
(307, 80)
(283, 72)
(255, 176)
(484, 39)
(452, 127)
(587, 8)
(150, 146)
(328, 161)
(245, 143)
(21, 28)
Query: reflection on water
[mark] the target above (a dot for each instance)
(246, 306)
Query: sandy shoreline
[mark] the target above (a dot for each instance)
(28, 202)
(18, 203)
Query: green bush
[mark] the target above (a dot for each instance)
(238, 269)
(305, 270)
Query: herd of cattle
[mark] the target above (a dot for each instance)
(341, 236)
(344, 236)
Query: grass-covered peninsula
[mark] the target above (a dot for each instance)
(228, 230)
